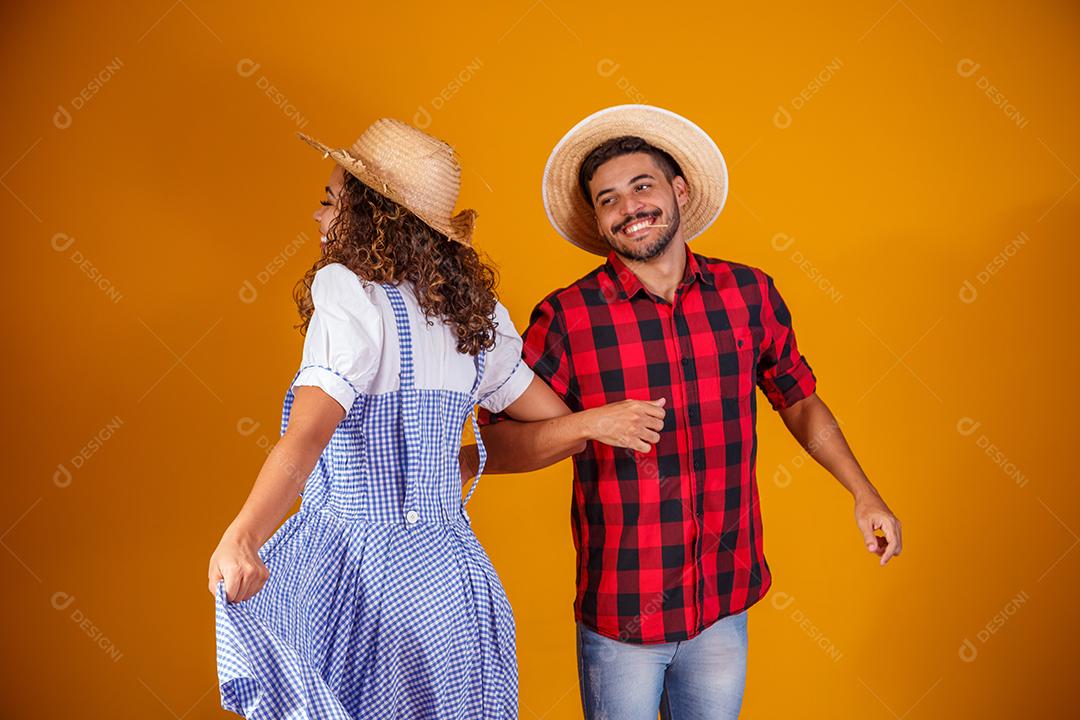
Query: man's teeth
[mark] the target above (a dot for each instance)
(631, 229)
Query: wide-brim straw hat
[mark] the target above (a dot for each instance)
(410, 167)
(702, 164)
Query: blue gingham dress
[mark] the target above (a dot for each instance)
(381, 602)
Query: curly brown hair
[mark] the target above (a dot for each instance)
(383, 242)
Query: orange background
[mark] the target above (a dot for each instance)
(871, 174)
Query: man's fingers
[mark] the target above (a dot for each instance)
(868, 534)
(656, 411)
(892, 536)
(650, 437)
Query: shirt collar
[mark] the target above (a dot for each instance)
(626, 282)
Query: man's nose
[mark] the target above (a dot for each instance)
(630, 207)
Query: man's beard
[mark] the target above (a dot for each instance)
(648, 252)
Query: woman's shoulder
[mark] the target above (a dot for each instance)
(335, 283)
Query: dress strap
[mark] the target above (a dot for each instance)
(409, 404)
(476, 429)
(401, 318)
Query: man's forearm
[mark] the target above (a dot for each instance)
(812, 423)
(514, 447)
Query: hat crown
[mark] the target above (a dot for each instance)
(422, 169)
(701, 161)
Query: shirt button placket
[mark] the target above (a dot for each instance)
(412, 517)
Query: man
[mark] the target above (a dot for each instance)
(668, 537)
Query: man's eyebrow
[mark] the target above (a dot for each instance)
(632, 181)
(331, 192)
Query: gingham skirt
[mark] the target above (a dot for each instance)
(381, 602)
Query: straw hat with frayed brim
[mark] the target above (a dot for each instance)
(702, 165)
(408, 166)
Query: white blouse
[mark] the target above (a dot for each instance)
(353, 331)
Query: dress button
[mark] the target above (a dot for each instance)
(411, 517)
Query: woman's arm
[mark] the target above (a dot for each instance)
(312, 421)
(544, 431)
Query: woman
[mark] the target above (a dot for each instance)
(375, 599)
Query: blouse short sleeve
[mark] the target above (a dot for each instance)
(344, 336)
(506, 376)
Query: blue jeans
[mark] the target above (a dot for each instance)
(701, 678)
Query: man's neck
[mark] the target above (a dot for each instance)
(663, 273)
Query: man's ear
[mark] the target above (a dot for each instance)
(682, 191)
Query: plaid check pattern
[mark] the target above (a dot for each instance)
(671, 540)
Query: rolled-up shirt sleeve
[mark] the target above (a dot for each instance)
(506, 376)
(344, 336)
(783, 373)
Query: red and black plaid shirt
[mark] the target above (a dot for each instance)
(669, 541)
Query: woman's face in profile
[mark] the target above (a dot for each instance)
(329, 205)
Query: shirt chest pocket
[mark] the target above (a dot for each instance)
(736, 357)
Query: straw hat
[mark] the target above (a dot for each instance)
(408, 166)
(702, 164)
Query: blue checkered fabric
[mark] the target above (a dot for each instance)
(381, 602)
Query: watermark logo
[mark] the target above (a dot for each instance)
(969, 651)
(783, 475)
(783, 601)
(249, 290)
(967, 67)
(62, 242)
(64, 474)
(247, 68)
(782, 242)
(969, 291)
(62, 601)
(608, 68)
(967, 427)
(783, 117)
(64, 116)
(422, 118)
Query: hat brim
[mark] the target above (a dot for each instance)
(702, 163)
(461, 226)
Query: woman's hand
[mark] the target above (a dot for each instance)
(631, 424)
(237, 562)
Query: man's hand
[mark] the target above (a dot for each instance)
(633, 424)
(468, 462)
(871, 513)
